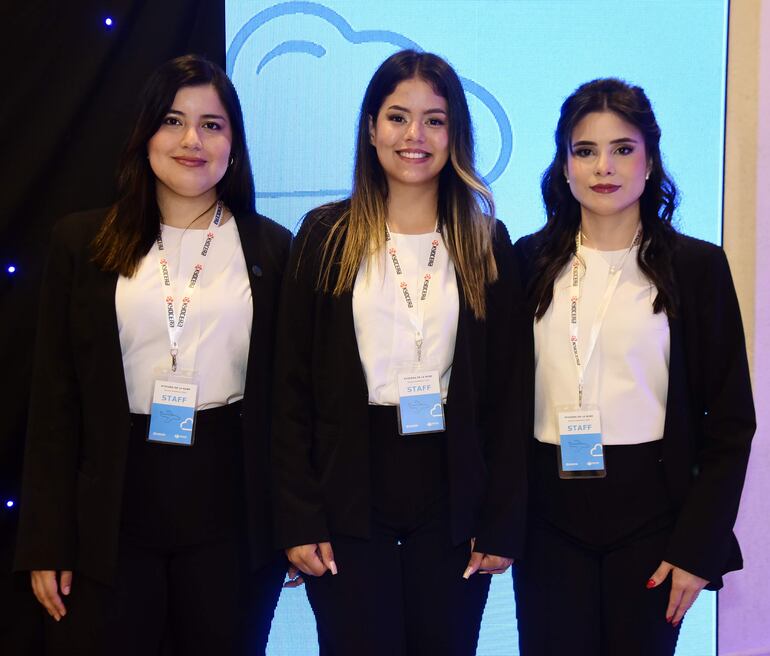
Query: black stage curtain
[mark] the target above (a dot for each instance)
(67, 101)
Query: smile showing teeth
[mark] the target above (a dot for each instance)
(412, 154)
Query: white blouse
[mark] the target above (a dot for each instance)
(215, 340)
(384, 332)
(627, 375)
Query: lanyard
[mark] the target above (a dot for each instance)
(612, 284)
(416, 313)
(176, 326)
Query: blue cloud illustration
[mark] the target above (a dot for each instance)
(292, 46)
(307, 47)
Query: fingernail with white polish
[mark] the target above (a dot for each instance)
(333, 567)
(467, 573)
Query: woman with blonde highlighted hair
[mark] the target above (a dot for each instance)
(397, 450)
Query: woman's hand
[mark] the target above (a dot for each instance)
(685, 588)
(46, 590)
(313, 559)
(485, 563)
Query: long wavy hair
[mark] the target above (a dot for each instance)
(465, 205)
(556, 240)
(132, 223)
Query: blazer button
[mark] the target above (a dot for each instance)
(256, 270)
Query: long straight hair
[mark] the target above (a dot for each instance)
(132, 223)
(465, 206)
(556, 240)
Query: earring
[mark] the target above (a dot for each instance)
(567, 179)
(647, 177)
(232, 159)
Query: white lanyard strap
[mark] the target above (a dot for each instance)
(176, 325)
(612, 283)
(416, 312)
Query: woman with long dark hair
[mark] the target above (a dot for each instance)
(397, 450)
(643, 414)
(145, 509)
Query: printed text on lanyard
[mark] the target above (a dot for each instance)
(416, 314)
(176, 325)
(612, 284)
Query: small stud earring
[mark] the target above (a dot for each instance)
(647, 177)
(567, 179)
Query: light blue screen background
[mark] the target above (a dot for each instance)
(301, 69)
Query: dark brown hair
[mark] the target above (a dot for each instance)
(132, 223)
(556, 240)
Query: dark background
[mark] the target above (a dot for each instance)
(67, 103)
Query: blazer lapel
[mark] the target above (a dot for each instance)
(112, 361)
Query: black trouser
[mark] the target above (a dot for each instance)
(591, 547)
(401, 592)
(182, 572)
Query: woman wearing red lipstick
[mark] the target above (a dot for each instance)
(145, 511)
(396, 488)
(643, 414)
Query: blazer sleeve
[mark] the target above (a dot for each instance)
(298, 503)
(47, 523)
(724, 415)
(505, 408)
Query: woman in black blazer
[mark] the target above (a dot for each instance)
(129, 537)
(389, 527)
(620, 545)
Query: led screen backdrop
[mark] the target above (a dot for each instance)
(301, 69)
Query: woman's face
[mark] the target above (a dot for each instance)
(411, 135)
(189, 153)
(607, 165)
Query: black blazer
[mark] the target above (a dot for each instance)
(320, 431)
(709, 410)
(78, 430)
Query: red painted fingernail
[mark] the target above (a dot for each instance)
(650, 584)
(668, 619)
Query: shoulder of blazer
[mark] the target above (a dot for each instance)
(308, 245)
(76, 231)
(692, 255)
(270, 239)
(524, 251)
(317, 223)
(698, 266)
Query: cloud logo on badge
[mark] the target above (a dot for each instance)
(305, 128)
(597, 451)
(187, 424)
(435, 411)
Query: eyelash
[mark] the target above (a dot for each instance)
(587, 152)
(174, 121)
(432, 122)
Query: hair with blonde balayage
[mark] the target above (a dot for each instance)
(465, 205)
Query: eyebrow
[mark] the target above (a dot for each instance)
(434, 110)
(219, 116)
(614, 141)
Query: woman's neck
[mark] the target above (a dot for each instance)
(412, 211)
(180, 212)
(605, 233)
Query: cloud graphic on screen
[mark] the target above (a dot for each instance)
(356, 38)
(307, 47)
